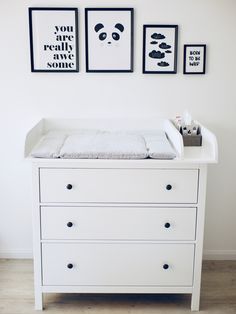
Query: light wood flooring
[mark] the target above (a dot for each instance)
(218, 294)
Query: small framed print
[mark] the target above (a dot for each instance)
(194, 59)
(109, 39)
(54, 39)
(160, 43)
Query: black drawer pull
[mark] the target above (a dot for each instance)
(165, 266)
(70, 266)
(167, 225)
(69, 186)
(169, 187)
(69, 224)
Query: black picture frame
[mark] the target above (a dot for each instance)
(130, 44)
(70, 63)
(198, 62)
(161, 32)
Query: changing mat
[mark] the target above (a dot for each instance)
(104, 145)
(98, 144)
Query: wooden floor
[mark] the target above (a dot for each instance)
(16, 294)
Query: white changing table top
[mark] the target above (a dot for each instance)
(207, 153)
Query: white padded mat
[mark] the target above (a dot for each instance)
(100, 144)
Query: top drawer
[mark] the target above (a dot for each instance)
(118, 185)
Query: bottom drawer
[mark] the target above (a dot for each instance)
(117, 264)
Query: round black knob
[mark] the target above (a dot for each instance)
(165, 266)
(169, 187)
(167, 225)
(69, 186)
(70, 266)
(69, 224)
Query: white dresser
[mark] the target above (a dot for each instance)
(119, 226)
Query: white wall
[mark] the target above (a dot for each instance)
(26, 97)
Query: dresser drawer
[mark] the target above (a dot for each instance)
(118, 185)
(117, 264)
(121, 223)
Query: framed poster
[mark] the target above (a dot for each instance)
(54, 39)
(109, 39)
(160, 43)
(194, 59)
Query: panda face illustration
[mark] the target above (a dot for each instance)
(109, 37)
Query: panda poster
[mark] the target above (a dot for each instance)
(109, 39)
(160, 48)
(54, 39)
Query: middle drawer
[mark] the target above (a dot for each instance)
(118, 223)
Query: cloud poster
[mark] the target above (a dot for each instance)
(160, 48)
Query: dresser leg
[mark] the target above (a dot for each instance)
(38, 301)
(195, 301)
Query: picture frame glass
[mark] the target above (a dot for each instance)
(54, 39)
(109, 37)
(160, 49)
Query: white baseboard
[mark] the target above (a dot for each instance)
(207, 254)
(21, 254)
(219, 255)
